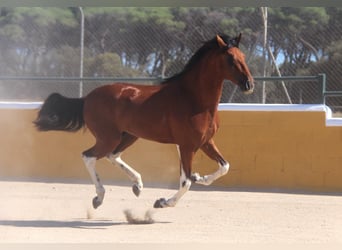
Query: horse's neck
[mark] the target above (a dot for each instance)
(205, 86)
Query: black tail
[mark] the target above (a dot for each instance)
(60, 113)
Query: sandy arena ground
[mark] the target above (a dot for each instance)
(62, 213)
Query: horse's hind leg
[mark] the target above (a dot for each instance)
(134, 176)
(90, 163)
(90, 156)
(211, 150)
(115, 157)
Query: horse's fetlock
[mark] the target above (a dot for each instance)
(224, 169)
(195, 177)
(100, 191)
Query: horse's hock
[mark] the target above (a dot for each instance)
(272, 148)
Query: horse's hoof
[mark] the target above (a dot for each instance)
(136, 190)
(96, 202)
(161, 203)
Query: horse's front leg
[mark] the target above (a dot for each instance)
(186, 157)
(211, 150)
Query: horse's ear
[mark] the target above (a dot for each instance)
(220, 42)
(237, 40)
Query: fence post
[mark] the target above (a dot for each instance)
(322, 79)
(264, 51)
(81, 53)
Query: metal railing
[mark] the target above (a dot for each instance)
(320, 79)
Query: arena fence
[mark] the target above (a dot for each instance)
(287, 89)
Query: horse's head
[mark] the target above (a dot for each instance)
(233, 59)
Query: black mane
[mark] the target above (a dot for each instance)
(207, 46)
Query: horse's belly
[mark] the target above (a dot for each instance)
(151, 129)
(158, 136)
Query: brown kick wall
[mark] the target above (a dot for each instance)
(265, 149)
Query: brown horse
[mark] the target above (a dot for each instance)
(181, 110)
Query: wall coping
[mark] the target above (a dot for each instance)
(273, 107)
(20, 105)
(330, 121)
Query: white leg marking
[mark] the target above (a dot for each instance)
(179, 155)
(208, 179)
(133, 175)
(90, 163)
(184, 186)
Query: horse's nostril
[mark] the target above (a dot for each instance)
(247, 85)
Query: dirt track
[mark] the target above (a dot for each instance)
(62, 213)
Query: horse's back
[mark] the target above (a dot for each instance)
(124, 91)
(121, 107)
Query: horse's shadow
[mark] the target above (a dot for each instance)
(80, 224)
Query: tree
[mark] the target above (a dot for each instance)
(24, 34)
(159, 41)
(297, 34)
(108, 65)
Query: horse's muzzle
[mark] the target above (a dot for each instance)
(247, 87)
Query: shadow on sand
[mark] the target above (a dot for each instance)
(80, 224)
(98, 224)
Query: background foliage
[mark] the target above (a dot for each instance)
(144, 42)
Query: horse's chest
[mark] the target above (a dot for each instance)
(204, 124)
